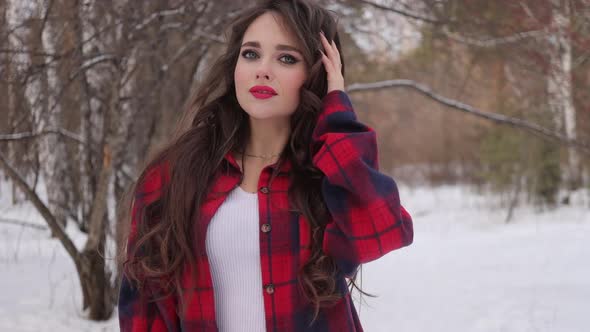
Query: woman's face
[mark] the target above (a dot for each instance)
(269, 58)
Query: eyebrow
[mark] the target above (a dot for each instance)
(279, 47)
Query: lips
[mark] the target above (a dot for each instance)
(263, 89)
(262, 92)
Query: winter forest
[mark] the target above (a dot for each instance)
(482, 114)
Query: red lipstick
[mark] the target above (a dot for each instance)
(262, 91)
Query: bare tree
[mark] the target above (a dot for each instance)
(559, 79)
(98, 78)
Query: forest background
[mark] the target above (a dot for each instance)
(490, 95)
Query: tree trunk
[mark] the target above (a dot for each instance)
(96, 284)
(51, 148)
(560, 87)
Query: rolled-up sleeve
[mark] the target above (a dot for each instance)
(368, 219)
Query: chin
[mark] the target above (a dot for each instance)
(265, 113)
(261, 115)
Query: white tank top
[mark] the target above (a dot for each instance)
(233, 249)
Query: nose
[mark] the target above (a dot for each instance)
(263, 72)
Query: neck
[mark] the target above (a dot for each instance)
(267, 137)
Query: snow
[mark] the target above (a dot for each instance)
(466, 270)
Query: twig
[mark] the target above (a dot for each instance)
(28, 135)
(401, 12)
(489, 42)
(23, 223)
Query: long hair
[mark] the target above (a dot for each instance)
(216, 124)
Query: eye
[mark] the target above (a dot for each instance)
(292, 60)
(246, 52)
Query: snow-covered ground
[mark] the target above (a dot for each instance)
(466, 271)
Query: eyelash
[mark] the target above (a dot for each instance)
(293, 61)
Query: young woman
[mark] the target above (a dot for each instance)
(255, 218)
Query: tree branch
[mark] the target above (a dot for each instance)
(489, 42)
(54, 225)
(58, 131)
(457, 105)
(486, 42)
(11, 51)
(23, 223)
(404, 13)
(158, 15)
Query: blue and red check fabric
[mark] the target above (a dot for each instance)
(367, 222)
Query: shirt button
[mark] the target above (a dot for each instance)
(270, 288)
(265, 228)
(264, 190)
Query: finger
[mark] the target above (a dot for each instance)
(327, 46)
(334, 52)
(333, 45)
(335, 48)
(327, 62)
(336, 58)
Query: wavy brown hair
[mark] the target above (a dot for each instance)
(214, 124)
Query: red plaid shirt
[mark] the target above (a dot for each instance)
(367, 222)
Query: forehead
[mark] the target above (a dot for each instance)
(269, 29)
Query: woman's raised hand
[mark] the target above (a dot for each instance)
(331, 60)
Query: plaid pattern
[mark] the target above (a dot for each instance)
(367, 222)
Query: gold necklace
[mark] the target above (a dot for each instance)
(264, 156)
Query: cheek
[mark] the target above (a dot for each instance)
(239, 74)
(295, 83)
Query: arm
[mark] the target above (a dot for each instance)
(136, 313)
(368, 219)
